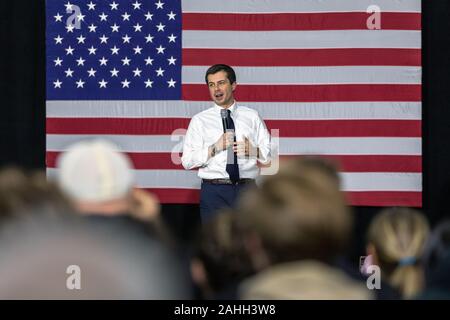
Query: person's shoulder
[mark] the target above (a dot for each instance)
(202, 113)
(249, 111)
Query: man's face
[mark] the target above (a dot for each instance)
(220, 89)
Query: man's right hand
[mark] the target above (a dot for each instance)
(225, 141)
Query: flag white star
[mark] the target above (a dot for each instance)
(81, 39)
(115, 28)
(159, 4)
(58, 17)
(137, 28)
(137, 5)
(137, 72)
(160, 27)
(58, 39)
(148, 16)
(91, 6)
(104, 39)
(126, 61)
(160, 49)
(171, 15)
(172, 38)
(81, 61)
(69, 6)
(103, 17)
(103, 83)
(70, 28)
(148, 61)
(81, 17)
(58, 62)
(69, 73)
(114, 6)
(70, 51)
(126, 17)
(103, 61)
(92, 28)
(149, 38)
(126, 39)
(172, 60)
(92, 50)
(57, 83)
(137, 50)
(171, 83)
(80, 84)
(114, 72)
(92, 72)
(148, 83)
(159, 72)
(115, 50)
(125, 83)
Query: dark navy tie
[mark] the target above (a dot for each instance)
(232, 164)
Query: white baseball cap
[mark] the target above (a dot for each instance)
(95, 171)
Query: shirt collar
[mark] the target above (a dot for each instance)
(232, 108)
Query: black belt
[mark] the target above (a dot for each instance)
(228, 181)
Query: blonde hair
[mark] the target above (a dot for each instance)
(398, 236)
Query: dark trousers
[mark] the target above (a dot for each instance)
(214, 197)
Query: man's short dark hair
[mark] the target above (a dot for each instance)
(231, 75)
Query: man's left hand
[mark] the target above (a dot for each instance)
(245, 149)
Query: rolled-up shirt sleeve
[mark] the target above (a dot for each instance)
(195, 153)
(263, 141)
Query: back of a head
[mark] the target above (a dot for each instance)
(398, 236)
(437, 249)
(23, 192)
(220, 249)
(299, 213)
(44, 257)
(95, 171)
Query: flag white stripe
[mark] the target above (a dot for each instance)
(381, 181)
(296, 6)
(267, 110)
(287, 146)
(313, 75)
(378, 181)
(351, 146)
(302, 39)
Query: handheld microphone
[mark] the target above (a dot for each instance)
(224, 114)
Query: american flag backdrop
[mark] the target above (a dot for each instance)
(132, 71)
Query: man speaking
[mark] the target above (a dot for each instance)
(225, 142)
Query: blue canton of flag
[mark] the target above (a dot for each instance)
(113, 50)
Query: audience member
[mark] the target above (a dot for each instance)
(436, 260)
(66, 257)
(396, 240)
(220, 260)
(99, 180)
(22, 192)
(296, 224)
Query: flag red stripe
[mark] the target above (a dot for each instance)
(288, 128)
(373, 163)
(298, 21)
(303, 57)
(407, 199)
(184, 196)
(115, 126)
(345, 163)
(313, 93)
(385, 199)
(346, 128)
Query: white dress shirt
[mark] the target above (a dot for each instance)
(206, 128)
